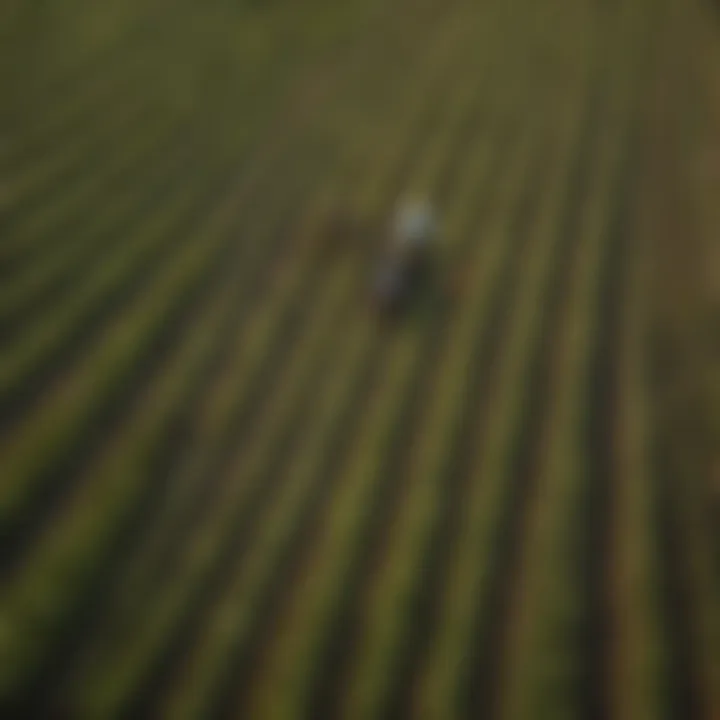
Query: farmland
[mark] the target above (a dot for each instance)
(227, 490)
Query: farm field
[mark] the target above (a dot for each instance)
(226, 489)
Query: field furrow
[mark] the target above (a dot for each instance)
(230, 485)
(118, 285)
(557, 603)
(225, 408)
(82, 240)
(218, 275)
(382, 469)
(275, 418)
(640, 675)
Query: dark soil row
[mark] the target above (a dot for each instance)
(20, 399)
(108, 418)
(241, 675)
(206, 595)
(475, 415)
(595, 511)
(169, 165)
(89, 156)
(685, 696)
(332, 674)
(483, 681)
(235, 433)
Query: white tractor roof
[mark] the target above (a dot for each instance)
(414, 222)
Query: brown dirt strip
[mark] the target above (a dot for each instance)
(242, 675)
(316, 502)
(335, 665)
(484, 680)
(150, 694)
(676, 234)
(21, 397)
(235, 433)
(59, 287)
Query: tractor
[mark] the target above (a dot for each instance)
(407, 262)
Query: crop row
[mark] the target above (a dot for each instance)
(36, 565)
(560, 596)
(303, 495)
(260, 446)
(232, 390)
(153, 309)
(357, 504)
(234, 494)
(58, 338)
(251, 270)
(67, 156)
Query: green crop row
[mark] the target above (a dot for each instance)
(116, 681)
(306, 428)
(231, 390)
(139, 72)
(689, 566)
(467, 581)
(222, 403)
(159, 233)
(71, 164)
(92, 240)
(27, 354)
(127, 120)
(20, 454)
(287, 514)
(393, 585)
(227, 506)
(392, 589)
(92, 196)
(547, 597)
(36, 563)
(641, 658)
(158, 236)
(550, 600)
(199, 481)
(67, 550)
(371, 448)
(387, 618)
(640, 676)
(56, 238)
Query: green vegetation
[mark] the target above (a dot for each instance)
(226, 488)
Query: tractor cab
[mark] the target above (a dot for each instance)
(407, 260)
